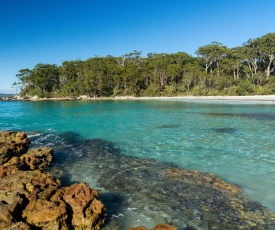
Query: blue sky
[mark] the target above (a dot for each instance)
(51, 31)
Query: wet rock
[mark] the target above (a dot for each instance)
(87, 211)
(164, 227)
(35, 197)
(46, 214)
(138, 228)
(157, 227)
(17, 188)
(12, 144)
(225, 130)
(207, 180)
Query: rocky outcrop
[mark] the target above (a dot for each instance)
(12, 144)
(87, 211)
(38, 158)
(14, 226)
(31, 199)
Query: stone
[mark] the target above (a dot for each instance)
(18, 187)
(46, 214)
(35, 197)
(138, 228)
(38, 158)
(164, 227)
(14, 226)
(87, 211)
(157, 227)
(7, 170)
(206, 180)
(12, 144)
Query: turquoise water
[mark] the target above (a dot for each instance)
(234, 140)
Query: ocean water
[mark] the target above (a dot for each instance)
(233, 139)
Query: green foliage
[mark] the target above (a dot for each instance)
(218, 70)
(244, 87)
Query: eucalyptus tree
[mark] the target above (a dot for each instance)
(233, 63)
(25, 77)
(44, 77)
(70, 73)
(266, 51)
(251, 57)
(211, 55)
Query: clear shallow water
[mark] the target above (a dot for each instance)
(234, 140)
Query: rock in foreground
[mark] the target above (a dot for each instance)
(31, 199)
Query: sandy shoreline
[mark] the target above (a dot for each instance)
(270, 98)
(239, 98)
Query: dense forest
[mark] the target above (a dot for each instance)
(216, 70)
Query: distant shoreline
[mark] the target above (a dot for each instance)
(226, 98)
(86, 98)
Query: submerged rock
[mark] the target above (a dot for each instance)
(225, 130)
(157, 227)
(147, 192)
(206, 180)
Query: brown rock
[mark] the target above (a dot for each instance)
(34, 196)
(12, 144)
(164, 227)
(38, 158)
(17, 188)
(88, 212)
(138, 228)
(14, 226)
(46, 214)
(7, 170)
(5, 213)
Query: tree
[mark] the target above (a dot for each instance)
(211, 55)
(251, 56)
(15, 85)
(234, 62)
(266, 50)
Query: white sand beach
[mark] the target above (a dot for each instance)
(242, 98)
(270, 98)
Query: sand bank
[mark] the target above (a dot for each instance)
(270, 98)
(240, 98)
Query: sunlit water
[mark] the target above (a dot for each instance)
(234, 140)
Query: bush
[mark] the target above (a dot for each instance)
(244, 87)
